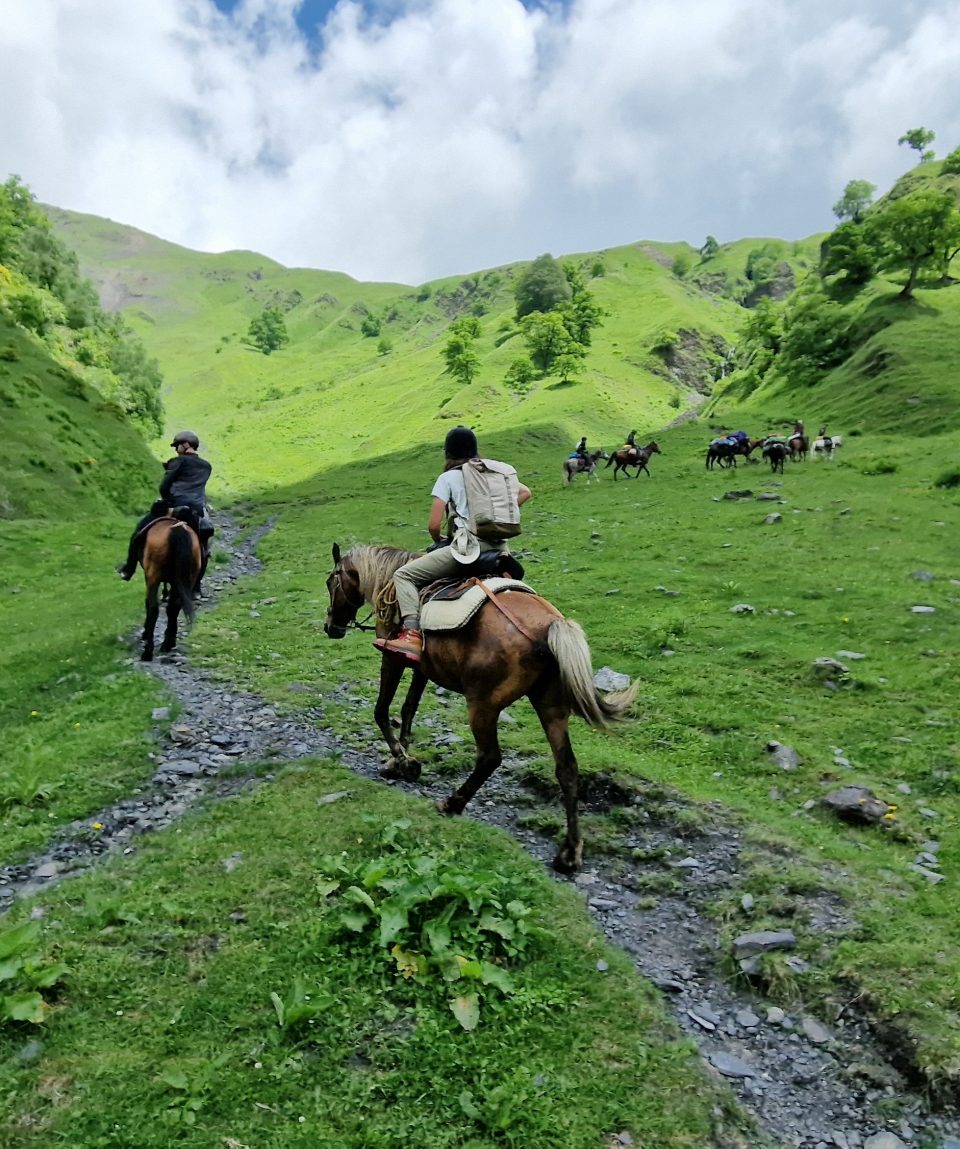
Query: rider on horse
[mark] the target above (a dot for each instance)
(631, 444)
(449, 495)
(827, 440)
(184, 484)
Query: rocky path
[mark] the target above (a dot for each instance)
(811, 1082)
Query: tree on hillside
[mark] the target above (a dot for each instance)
(542, 287)
(582, 312)
(919, 139)
(569, 365)
(951, 164)
(710, 247)
(857, 197)
(914, 232)
(520, 375)
(462, 360)
(816, 337)
(547, 338)
(268, 332)
(848, 259)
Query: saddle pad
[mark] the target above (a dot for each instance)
(452, 615)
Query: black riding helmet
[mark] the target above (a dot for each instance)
(460, 443)
(187, 437)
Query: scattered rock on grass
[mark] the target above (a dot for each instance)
(784, 756)
(857, 804)
(609, 679)
(762, 941)
(742, 608)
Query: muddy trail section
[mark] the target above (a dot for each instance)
(655, 874)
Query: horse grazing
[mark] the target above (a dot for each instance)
(776, 453)
(171, 555)
(823, 447)
(633, 457)
(503, 653)
(578, 465)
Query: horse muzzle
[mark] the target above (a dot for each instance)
(332, 630)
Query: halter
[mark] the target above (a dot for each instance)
(338, 586)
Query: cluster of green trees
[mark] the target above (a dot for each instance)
(914, 232)
(42, 290)
(555, 315)
(268, 331)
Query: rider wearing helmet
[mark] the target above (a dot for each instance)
(184, 484)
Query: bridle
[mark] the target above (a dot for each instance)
(341, 629)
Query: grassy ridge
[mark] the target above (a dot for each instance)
(66, 452)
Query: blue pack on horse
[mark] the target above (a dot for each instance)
(504, 646)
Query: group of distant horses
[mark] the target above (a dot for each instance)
(622, 460)
(775, 450)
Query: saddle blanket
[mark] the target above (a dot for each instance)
(453, 614)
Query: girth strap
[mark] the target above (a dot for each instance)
(495, 599)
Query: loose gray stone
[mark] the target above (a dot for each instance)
(931, 875)
(762, 941)
(47, 870)
(742, 608)
(730, 1066)
(923, 610)
(747, 1018)
(608, 679)
(903, 788)
(746, 902)
(326, 799)
(797, 964)
(160, 713)
(850, 655)
(817, 1033)
(857, 804)
(768, 497)
(602, 966)
(775, 1015)
(784, 756)
(923, 576)
(704, 1016)
(828, 666)
(884, 1141)
(927, 812)
(776, 517)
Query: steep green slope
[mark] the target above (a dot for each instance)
(334, 395)
(66, 453)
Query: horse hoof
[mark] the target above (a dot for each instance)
(147, 656)
(452, 805)
(402, 770)
(392, 772)
(568, 860)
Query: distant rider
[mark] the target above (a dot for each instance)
(631, 443)
(184, 484)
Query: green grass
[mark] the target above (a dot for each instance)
(165, 1031)
(75, 718)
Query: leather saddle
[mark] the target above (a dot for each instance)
(489, 564)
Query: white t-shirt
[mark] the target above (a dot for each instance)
(450, 487)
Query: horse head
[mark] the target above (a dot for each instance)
(343, 586)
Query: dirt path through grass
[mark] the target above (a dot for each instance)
(654, 879)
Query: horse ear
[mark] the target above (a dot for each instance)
(336, 553)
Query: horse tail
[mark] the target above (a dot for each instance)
(180, 568)
(568, 645)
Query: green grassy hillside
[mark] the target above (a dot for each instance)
(334, 395)
(66, 454)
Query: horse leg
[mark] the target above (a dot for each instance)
(483, 722)
(400, 765)
(173, 609)
(554, 715)
(418, 683)
(150, 620)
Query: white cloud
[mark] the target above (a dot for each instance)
(449, 135)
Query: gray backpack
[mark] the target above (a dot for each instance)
(492, 492)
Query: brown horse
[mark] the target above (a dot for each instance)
(502, 654)
(578, 465)
(798, 447)
(172, 555)
(633, 457)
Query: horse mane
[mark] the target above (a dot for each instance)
(376, 565)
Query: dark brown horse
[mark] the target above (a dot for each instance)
(633, 457)
(494, 660)
(776, 452)
(799, 448)
(172, 555)
(580, 465)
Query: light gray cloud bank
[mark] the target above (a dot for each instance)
(460, 134)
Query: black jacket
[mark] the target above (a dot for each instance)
(185, 481)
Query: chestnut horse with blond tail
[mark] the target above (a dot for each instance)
(171, 555)
(503, 653)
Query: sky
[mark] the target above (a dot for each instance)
(406, 140)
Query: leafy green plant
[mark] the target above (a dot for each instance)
(24, 972)
(443, 927)
(298, 1007)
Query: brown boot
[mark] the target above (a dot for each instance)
(408, 643)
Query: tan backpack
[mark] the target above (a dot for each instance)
(492, 493)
